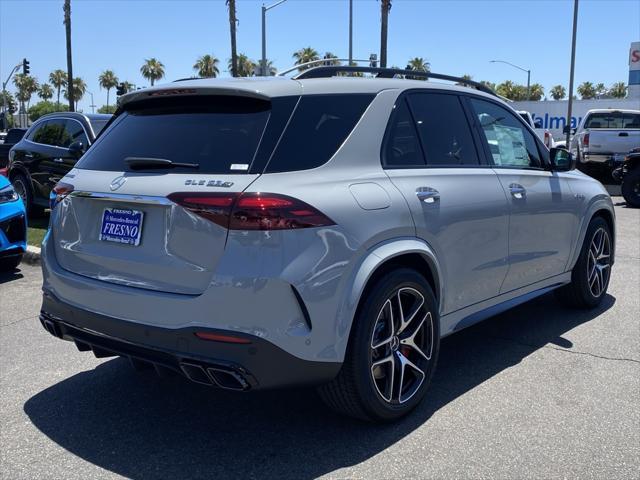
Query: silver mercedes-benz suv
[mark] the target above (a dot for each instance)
(323, 230)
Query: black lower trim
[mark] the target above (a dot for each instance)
(11, 252)
(15, 229)
(260, 364)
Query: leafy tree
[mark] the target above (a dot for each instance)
(9, 100)
(26, 86)
(207, 66)
(58, 78)
(418, 64)
(305, 55)
(152, 70)
(233, 24)
(558, 92)
(128, 86)
(489, 84)
(246, 66)
(77, 91)
(586, 90)
(45, 92)
(67, 28)
(107, 109)
(618, 90)
(464, 77)
(108, 80)
(506, 89)
(536, 92)
(44, 107)
(385, 7)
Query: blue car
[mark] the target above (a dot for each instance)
(13, 226)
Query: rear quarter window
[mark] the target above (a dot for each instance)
(319, 126)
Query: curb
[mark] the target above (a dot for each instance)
(32, 255)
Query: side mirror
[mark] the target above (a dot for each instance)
(562, 160)
(76, 149)
(537, 123)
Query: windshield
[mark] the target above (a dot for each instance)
(618, 120)
(220, 135)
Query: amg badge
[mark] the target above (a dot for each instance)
(209, 183)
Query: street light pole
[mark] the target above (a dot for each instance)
(519, 68)
(92, 103)
(263, 61)
(350, 31)
(4, 96)
(573, 63)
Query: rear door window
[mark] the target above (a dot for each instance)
(50, 133)
(319, 126)
(443, 128)
(220, 134)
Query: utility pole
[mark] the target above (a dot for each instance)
(573, 64)
(5, 123)
(350, 32)
(263, 61)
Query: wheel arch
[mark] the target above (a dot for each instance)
(601, 207)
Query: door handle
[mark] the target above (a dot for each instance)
(28, 155)
(623, 134)
(517, 191)
(58, 160)
(428, 194)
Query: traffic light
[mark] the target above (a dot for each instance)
(121, 89)
(25, 66)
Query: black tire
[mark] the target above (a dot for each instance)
(23, 187)
(355, 392)
(631, 188)
(580, 292)
(9, 264)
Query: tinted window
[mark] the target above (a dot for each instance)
(48, 133)
(402, 148)
(14, 136)
(221, 134)
(320, 124)
(510, 142)
(73, 132)
(617, 120)
(98, 125)
(443, 129)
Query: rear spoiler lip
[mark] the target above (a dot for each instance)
(174, 91)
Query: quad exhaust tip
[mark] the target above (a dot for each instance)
(215, 376)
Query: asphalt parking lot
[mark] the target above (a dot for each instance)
(541, 391)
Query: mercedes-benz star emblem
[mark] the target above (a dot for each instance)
(117, 183)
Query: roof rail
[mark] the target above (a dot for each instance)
(319, 62)
(333, 70)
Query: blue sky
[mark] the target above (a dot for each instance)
(455, 36)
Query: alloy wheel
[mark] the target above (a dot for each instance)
(401, 346)
(599, 262)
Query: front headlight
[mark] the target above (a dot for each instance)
(8, 194)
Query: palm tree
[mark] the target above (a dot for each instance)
(79, 88)
(45, 92)
(600, 90)
(586, 90)
(330, 59)
(466, 76)
(489, 84)
(58, 78)
(536, 92)
(152, 70)
(246, 67)
(385, 6)
(108, 80)
(507, 89)
(557, 92)
(67, 27)
(618, 90)
(233, 23)
(418, 64)
(26, 86)
(128, 86)
(207, 66)
(305, 55)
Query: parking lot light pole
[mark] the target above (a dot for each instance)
(263, 61)
(5, 122)
(519, 68)
(573, 63)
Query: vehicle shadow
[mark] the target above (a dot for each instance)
(139, 426)
(10, 276)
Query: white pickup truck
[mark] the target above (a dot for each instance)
(544, 134)
(605, 136)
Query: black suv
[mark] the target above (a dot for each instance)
(50, 148)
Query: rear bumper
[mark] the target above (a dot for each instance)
(256, 365)
(605, 159)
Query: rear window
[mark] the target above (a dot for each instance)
(220, 134)
(618, 120)
(98, 125)
(319, 126)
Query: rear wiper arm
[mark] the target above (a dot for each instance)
(142, 163)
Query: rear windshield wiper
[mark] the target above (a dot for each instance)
(142, 163)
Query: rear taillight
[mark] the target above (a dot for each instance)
(58, 192)
(547, 137)
(4, 172)
(585, 140)
(252, 211)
